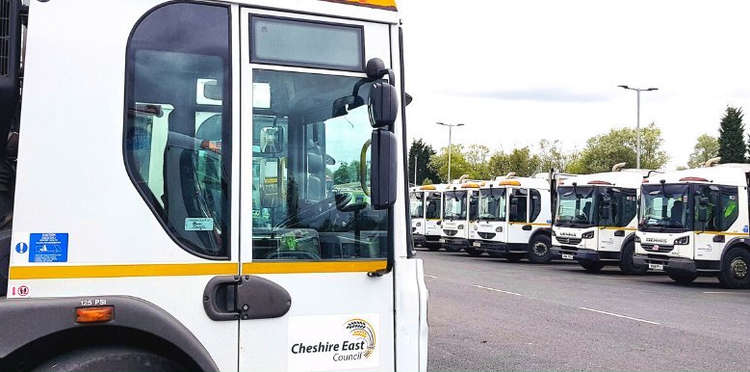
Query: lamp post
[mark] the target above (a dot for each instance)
(450, 147)
(638, 120)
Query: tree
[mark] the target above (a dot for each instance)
(477, 156)
(459, 165)
(520, 161)
(618, 146)
(732, 145)
(551, 156)
(706, 148)
(422, 152)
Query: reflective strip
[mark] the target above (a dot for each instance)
(618, 228)
(250, 268)
(721, 233)
(121, 271)
(381, 4)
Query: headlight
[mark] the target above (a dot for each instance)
(637, 239)
(460, 227)
(476, 227)
(499, 229)
(419, 224)
(588, 235)
(553, 233)
(685, 240)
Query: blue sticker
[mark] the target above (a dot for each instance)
(48, 247)
(746, 229)
(22, 248)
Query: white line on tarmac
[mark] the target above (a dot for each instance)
(430, 276)
(496, 290)
(718, 292)
(620, 316)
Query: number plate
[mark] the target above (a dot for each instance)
(656, 267)
(441, 241)
(477, 244)
(566, 256)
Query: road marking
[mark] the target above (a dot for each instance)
(620, 316)
(496, 290)
(430, 276)
(721, 292)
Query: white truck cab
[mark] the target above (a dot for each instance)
(514, 219)
(209, 186)
(460, 202)
(417, 211)
(596, 219)
(433, 212)
(695, 222)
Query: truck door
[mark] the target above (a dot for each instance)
(309, 235)
(519, 228)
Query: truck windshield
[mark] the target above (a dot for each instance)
(455, 205)
(575, 206)
(492, 205)
(416, 204)
(432, 210)
(664, 208)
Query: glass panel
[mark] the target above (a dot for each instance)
(473, 205)
(177, 144)
(730, 208)
(716, 207)
(536, 205)
(492, 205)
(307, 44)
(664, 207)
(432, 211)
(416, 204)
(518, 205)
(455, 205)
(308, 202)
(575, 206)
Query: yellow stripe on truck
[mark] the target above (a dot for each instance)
(381, 4)
(121, 271)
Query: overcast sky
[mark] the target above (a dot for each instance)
(519, 71)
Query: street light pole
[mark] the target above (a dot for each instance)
(638, 120)
(450, 144)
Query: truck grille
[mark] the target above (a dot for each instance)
(657, 248)
(566, 240)
(487, 235)
(450, 232)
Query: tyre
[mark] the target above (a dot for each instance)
(592, 266)
(473, 252)
(626, 261)
(432, 246)
(681, 277)
(495, 254)
(540, 249)
(451, 249)
(735, 269)
(109, 359)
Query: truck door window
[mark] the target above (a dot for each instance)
(177, 122)
(473, 205)
(433, 206)
(518, 205)
(308, 200)
(536, 205)
(716, 207)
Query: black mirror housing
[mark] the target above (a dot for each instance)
(383, 171)
(383, 105)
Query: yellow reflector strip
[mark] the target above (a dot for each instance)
(382, 4)
(510, 183)
(428, 187)
(312, 267)
(121, 271)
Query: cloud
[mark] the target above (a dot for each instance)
(537, 95)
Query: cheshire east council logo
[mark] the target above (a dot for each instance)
(362, 330)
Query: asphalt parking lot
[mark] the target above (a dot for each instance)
(487, 314)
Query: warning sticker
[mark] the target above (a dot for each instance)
(199, 224)
(48, 247)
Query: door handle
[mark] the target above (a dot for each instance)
(719, 238)
(620, 233)
(245, 297)
(526, 228)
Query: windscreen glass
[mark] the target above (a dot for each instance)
(575, 206)
(416, 204)
(664, 207)
(455, 205)
(492, 204)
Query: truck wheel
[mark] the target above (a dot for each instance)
(540, 249)
(681, 278)
(495, 255)
(735, 269)
(626, 261)
(473, 252)
(109, 359)
(591, 266)
(451, 249)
